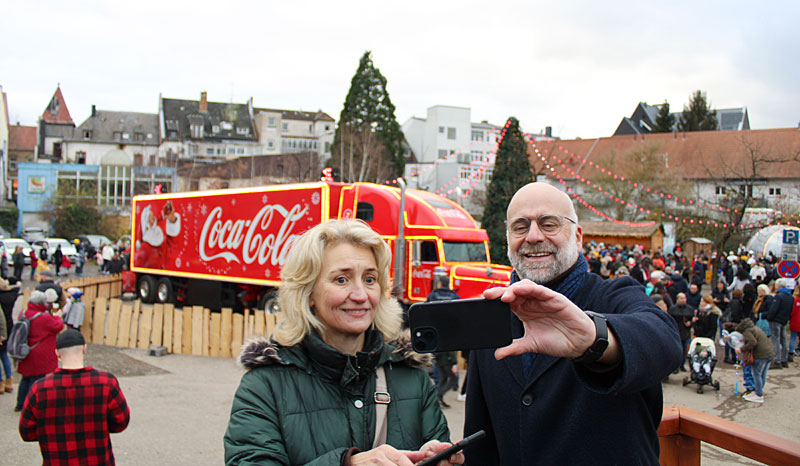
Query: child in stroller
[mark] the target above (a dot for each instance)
(702, 358)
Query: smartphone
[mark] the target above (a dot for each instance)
(459, 325)
(457, 447)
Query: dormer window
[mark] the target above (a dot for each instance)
(197, 131)
(87, 134)
(226, 125)
(215, 129)
(243, 131)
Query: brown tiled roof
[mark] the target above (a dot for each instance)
(692, 155)
(57, 111)
(599, 228)
(21, 137)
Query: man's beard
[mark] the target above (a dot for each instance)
(546, 271)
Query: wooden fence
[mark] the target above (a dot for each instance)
(195, 330)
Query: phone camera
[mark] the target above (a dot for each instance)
(425, 340)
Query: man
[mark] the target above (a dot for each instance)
(683, 314)
(573, 387)
(778, 315)
(445, 361)
(693, 297)
(636, 271)
(72, 411)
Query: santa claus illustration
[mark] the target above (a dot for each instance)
(157, 233)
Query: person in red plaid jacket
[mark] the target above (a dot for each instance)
(74, 430)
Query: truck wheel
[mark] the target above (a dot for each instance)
(165, 293)
(269, 302)
(146, 288)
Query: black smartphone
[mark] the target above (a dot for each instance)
(459, 324)
(457, 447)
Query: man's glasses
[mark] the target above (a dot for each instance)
(549, 225)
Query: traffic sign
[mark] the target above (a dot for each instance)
(789, 269)
(790, 246)
(791, 237)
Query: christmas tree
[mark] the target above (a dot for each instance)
(512, 171)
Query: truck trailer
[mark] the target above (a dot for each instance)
(225, 248)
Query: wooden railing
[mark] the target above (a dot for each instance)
(682, 429)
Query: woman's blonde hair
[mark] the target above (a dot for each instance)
(303, 267)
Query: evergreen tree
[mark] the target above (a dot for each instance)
(512, 171)
(368, 139)
(698, 116)
(665, 121)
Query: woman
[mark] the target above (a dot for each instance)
(749, 296)
(761, 346)
(42, 359)
(706, 317)
(308, 393)
(733, 315)
(721, 296)
(761, 305)
(740, 280)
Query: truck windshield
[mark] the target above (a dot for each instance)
(455, 251)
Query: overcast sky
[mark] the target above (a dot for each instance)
(578, 66)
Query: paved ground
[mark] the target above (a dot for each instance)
(180, 406)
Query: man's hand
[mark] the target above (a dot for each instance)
(384, 455)
(554, 325)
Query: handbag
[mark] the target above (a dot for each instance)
(763, 325)
(747, 358)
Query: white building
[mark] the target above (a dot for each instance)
(293, 131)
(455, 157)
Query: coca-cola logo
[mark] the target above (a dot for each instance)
(254, 240)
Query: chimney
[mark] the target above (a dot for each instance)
(94, 110)
(204, 102)
(548, 131)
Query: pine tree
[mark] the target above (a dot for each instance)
(665, 121)
(511, 171)
(698, 116)
(368, 139)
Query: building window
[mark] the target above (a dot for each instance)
(327, 147)
(240, 150)
(243, 131)
(80, 157)
(138, 159)
(194, 149)
(284, 126)
(117, 135)
(209, 151)
(138, 136)
(774, 191)
(87, 134)
(215, 129)
(719, 190)
(443, 153)
(57, 149)
(172, 135)
(270, 144)
(451, 133)
(477, 135)
(172, 158)
(327, 127)
(197, 131)
(152, 160)
(271, 122)
(441, 130)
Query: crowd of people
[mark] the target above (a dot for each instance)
(748, 301)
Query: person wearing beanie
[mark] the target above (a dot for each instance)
(42, 359)
(78, 429)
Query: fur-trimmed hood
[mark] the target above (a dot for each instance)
(263, 351)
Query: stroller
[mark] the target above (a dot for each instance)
(702, 358)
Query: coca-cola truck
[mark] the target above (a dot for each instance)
(225, 248)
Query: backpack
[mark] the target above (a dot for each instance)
(17, 344)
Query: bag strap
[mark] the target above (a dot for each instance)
(382, 400)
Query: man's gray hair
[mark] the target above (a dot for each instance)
(781, 283)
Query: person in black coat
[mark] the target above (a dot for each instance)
(58, 257)
(561, 393)
(445, 361)
(780, 310)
